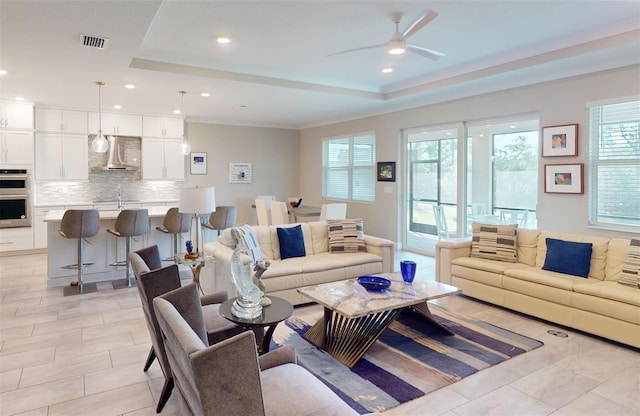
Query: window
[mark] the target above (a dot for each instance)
(348, 167)
(614, 133)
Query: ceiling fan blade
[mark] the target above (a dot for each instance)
(358, 49)
(427, 53)
(418, 23)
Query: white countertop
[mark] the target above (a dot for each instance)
(56, 215)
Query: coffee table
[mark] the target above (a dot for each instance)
(278, 311)
(354, 318)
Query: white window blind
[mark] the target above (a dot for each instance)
(614, 184)
(348, 167)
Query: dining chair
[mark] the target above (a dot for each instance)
(514, 216)
(262, 210)
(333, 212)
(279, 213)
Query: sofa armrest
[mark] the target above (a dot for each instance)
(383, 248)
(446, 251)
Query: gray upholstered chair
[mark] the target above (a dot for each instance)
(154, 280)
(228, 378)
(79, 224)
(223, 217)
(129, 223)
(175, 222)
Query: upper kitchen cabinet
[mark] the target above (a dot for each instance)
(162, 159)
(162, 127)
(16, 116)
(116, 124)
(61, 121)
(62, 157)
(16, 148)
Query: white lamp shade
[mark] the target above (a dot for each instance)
(197, 200)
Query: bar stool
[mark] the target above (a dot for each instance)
(80, 224)
(223, 217)
(129, 223)
(175, 223)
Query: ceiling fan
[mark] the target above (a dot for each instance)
(398, 43)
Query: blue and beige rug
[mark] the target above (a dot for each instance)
(406, 363)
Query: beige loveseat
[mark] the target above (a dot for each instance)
(284, 277)
(597, 304)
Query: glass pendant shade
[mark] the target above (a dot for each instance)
(185, 146)
(99, 144)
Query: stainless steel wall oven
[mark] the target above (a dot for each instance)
(15, 198)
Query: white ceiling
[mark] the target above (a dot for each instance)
(276, 71)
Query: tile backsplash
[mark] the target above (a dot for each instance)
(103, 185)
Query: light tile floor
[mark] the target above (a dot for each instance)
(83, 355)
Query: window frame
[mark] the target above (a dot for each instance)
(595, 220)
(352, 168)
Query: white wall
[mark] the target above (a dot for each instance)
(273, 152)
(558, 102)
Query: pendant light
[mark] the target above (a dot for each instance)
(185, 146)
(99, 144)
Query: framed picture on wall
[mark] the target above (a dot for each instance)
(198, 163)
(386, 171)
(564, 179)
(560, 140)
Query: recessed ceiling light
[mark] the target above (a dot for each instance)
(387, 70)
(204, 94)
(3, 72)
(18, 98)
(223, 40)
(176, 111)
(117, 107)
(512, 127)
(129, 86)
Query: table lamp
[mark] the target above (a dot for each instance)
(197, 201)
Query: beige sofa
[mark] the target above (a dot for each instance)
(597, 304)
(284, 277)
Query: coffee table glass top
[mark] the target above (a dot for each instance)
(350, 299)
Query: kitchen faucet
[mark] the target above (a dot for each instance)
(120, 202)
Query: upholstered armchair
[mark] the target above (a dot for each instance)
(229, 378)
(152, 283)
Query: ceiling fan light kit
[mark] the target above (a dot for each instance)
(398, 43)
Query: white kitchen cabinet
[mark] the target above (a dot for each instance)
(62, 121)
(118, 124)
(61, 157)
(162, 127)
(162, 159)
(40, 227)
(16, 116)
(16, 148)
(12, 239)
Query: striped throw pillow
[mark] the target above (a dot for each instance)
(494, 242)
(630, 275)
(346, 236)
(247, 238)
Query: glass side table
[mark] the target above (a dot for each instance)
(278, 311)
(195, 265)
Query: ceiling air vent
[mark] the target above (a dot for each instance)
(90, 41)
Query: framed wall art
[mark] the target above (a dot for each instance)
(240, 172)
(386, 171)
(560, 140)
(198, 163)
(564, 179)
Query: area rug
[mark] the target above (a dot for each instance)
(412, 357)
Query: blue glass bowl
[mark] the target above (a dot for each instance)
(374, 283)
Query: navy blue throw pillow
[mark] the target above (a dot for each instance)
(291, 242)
(568, 257)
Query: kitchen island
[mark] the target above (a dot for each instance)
(101, 249)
